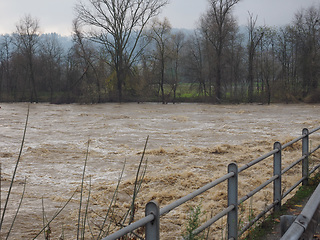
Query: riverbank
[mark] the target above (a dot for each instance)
(270, 228)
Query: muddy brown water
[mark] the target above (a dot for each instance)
(189, 145)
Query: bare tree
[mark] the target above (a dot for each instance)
(51, 58)
(267, 63)
(235, 64)
(194, 62)
(217, 25)
(87, 52)
(307, 32)
(27, 39)
(118, 25)
(287, 57)
(253, 41)
(178, 42)
(161, 35)
(5, 58)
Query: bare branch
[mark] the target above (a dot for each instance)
(119, 25)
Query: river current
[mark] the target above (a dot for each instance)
(188, 146)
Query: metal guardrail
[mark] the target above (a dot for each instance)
(151, 221)
(304, 226)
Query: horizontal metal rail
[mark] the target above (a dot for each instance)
(313, 150)
(314, 130)
(299, 160)
(314, 169)
(260, 215)
(293, 164)
(233, 201)
(213, 220)
(292, 142)
(301, 224)
(192, 195)
(142, 222)
(293, 187)
(253, 192)
(299, 138)
(259, 159)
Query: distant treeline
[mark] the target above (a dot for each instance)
(218, 62)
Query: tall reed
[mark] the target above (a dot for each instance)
(13, 177)
(81, 190)
(83, 218)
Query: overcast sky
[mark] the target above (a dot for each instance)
(57, 15)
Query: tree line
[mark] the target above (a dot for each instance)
(121, 52)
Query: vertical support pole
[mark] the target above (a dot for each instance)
(233, 200)
(277, 172)
(153, 228)
(305, 151)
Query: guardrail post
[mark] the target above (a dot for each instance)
(305, 151)
(153, 228)
(277, 181)
(233, 200)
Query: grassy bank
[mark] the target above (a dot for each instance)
(297, 201)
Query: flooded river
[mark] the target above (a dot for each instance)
(189, 145)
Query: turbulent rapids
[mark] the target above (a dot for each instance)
(189, 145)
